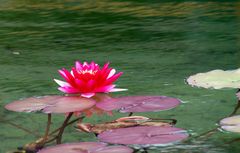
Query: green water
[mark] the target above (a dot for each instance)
(156, 44)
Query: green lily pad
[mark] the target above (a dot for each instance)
(216, 79)
(231, 124)
(234, 120)
(231, 128)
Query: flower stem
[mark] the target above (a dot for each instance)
(47, 128)
(61, 130)
(233, 141)
(145, 150)
(71, 122)
(235, 109)
(130, 114)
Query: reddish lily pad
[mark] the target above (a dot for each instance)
(51, 104)
(143, 135)
(86, 147)
(113, 149)
(231, 124)
(70, 104)
(32, 104)
(139, 103)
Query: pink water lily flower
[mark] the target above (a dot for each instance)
(88, 79)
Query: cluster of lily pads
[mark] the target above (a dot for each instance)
(132, 130)
(86, 89)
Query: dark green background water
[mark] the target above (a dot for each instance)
(156, 44)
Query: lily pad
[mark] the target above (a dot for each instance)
(70, 104)
(51, 104)
(216, 79)
(143, 135)
(234, 120)
(32, 104)
(139, 103)
(231, 124)
(231, 128)
(86, 147)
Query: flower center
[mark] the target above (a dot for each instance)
(88, 71)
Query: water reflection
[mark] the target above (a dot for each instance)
(134, 8)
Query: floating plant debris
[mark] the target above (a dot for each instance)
(88, 79)
(51, 104)
(135, 119)
(139, 103)
(216, 79)
(121, 123)
(231, 124)
(86, 147)
(143, 135)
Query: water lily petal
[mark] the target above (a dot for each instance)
(105, 66)
(78, 66)
(112, 72)
(117, 89)
(61, 83)
(67, 76)
(90, 85)
(68, 90)
(105, 88)
(113, 78)
(85, 64)
(75, 72)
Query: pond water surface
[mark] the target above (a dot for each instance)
(156, 44)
